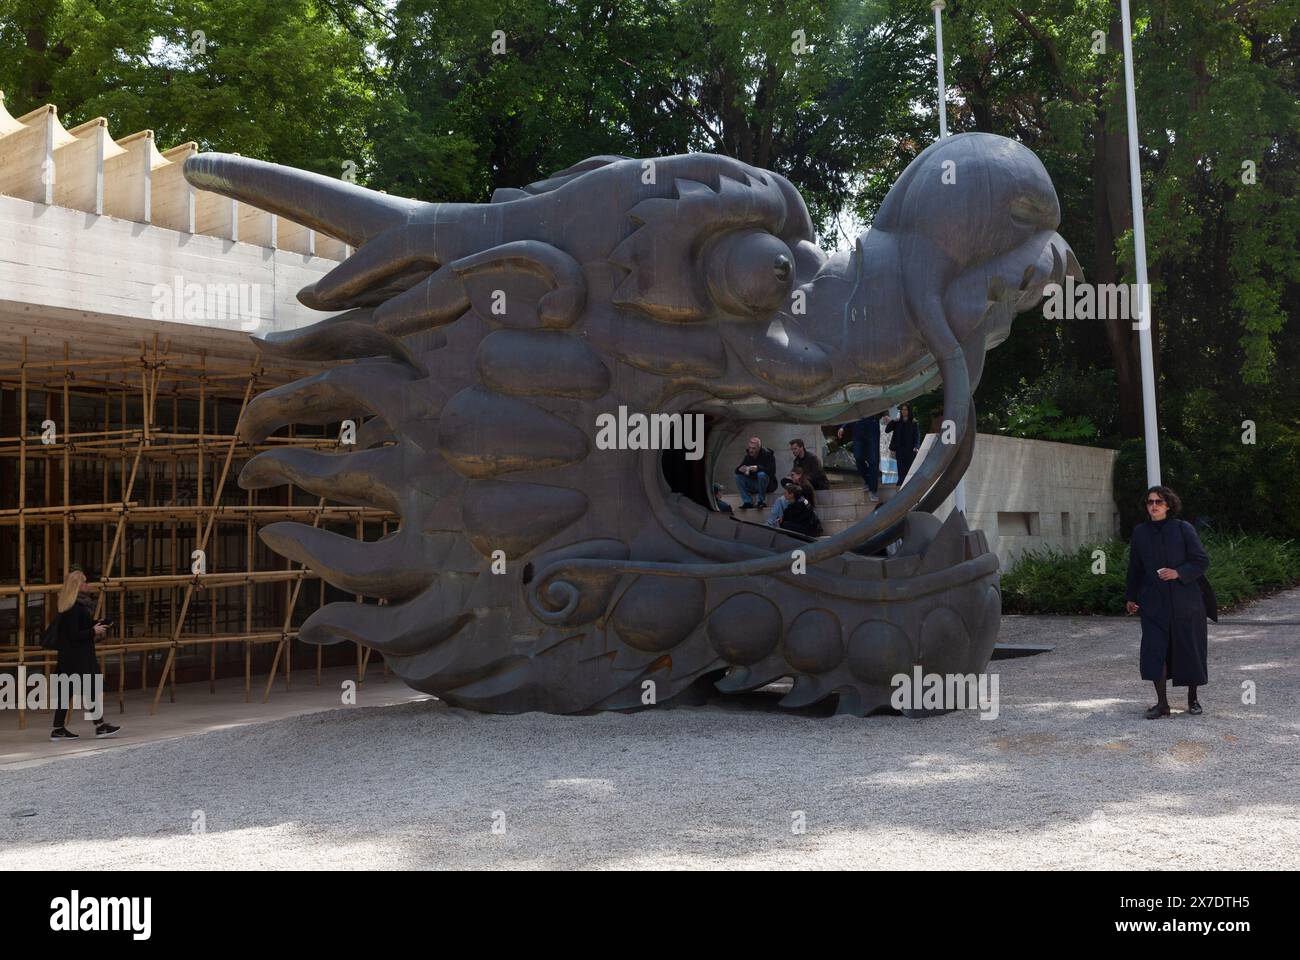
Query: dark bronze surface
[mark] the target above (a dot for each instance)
(484, 341)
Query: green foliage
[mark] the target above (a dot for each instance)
(1242, 567)
(1218, 100)
(641, 78)
(280, 81)
(1050, 581)
(1044, 421)
(1061, 404)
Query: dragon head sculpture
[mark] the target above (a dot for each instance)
(485, 342)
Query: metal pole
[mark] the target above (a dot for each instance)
(938, 6)
(1143, 326)
(959, 494)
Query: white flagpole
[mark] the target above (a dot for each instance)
(938, 6)
(1150, 427)
(959, 494)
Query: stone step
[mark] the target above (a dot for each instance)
(835, 503)
(851, 496)
(734, 499)
(847, 511)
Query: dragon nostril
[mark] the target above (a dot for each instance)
(782, 268)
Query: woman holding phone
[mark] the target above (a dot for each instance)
(1165, 564)
(77, 630)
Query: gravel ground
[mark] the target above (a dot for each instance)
(1068, 776)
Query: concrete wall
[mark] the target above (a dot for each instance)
(1027, 494)
(67, 274)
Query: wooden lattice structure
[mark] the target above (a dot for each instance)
(126, 465)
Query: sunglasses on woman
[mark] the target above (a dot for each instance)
(1149, 502)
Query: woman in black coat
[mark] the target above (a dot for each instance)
(1165, 563)
(906, 440)
(77, 630)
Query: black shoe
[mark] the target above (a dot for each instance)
(746, 506)
(62, 733)
(106, 730)
(1194, 708)
(762, 504)
(1159, 710)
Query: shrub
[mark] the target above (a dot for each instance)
(1242, 567)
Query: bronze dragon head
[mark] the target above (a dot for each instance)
(484, 342)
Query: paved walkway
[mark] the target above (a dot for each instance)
(195, 711)
(1069, 775)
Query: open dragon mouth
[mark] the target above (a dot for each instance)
(680, 490)
(726, 420)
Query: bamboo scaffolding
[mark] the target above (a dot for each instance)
(207, 581)
(56, 450)
(288, 616)
(136, 520)
(22, 530)
(231, 512)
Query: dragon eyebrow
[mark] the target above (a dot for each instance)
(661, 247)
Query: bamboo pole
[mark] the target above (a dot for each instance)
(320, 651)
(189, 590)
(171, 593)
(47, 477)
(67, 467)
(8, 656)
(103, 474)
(288, 617)
(117, 533)
(142, 512)
(249, 553)
(208, 581)
(22, 531)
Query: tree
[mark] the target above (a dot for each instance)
(281, 81)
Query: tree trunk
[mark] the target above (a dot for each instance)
(1112, 216)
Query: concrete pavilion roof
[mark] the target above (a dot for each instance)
(93, 227)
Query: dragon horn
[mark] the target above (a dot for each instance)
(342, 210)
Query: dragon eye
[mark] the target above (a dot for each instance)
(748, 271)
(1033, 213)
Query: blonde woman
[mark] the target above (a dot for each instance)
(77, 630)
